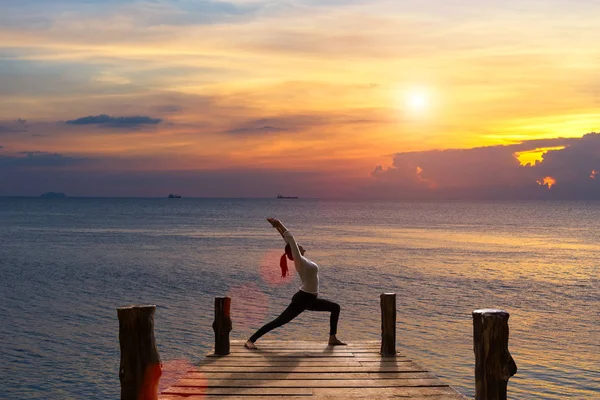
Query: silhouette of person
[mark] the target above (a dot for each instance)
(307, 297)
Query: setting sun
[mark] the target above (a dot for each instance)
(413, 101)
(417, 101)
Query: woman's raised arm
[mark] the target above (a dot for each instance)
(289, 239)
(278, 225)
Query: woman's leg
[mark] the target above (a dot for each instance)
(326, 305)
(291, 312)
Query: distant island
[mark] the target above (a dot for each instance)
(53, 195)
(174, 196)
(280, 196)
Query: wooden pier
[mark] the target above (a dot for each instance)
(297, 369)
(293, 370)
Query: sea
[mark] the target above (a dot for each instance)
(67, 264)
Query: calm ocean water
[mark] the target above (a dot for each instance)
(67, 264)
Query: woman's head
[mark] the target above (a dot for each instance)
(285, 256)
(288, 251)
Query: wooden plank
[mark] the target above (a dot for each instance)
(285, 345)
(261, 346)
(303, 376)
(330, 360)
(238, 391)
(275, 342)
(301, 353)
(308, 383)
(231, 397)
(305, 359)
(387, 393)
(295, 354)
(301, 361)
(405, 367)
(401, 375)
(295, 351)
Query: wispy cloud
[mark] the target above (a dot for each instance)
(259, 130)
(115, 122)
(16, 126)
(38, 159)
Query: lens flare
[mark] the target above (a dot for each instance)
(173, 370)
(270, 271)
(150, 385)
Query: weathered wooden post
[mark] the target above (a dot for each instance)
(388, 324)
(140, 368)
(222, 325)
(493, 363)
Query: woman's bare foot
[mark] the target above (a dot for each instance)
(250, 345)
(334, 341)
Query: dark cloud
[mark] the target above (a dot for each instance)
(33, 153)
(301, 122)
(16, 126)
(493, 172)
(116, 122)
(38, 159)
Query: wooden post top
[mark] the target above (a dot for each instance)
(491, 311)
(133, 306)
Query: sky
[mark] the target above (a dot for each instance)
(420, 99)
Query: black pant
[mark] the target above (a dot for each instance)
(300, 302)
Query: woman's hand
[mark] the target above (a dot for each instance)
(277, 225)
(275, 222)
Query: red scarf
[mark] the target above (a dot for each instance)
(283, 265)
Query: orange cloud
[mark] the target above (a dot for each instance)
(549, 181)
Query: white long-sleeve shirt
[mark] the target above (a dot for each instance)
(307, 269)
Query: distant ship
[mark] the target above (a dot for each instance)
(174, 196)
(280, 196)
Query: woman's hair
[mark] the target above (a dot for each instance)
(283, 260)
(288, 252)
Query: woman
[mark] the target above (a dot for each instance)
(307, 297)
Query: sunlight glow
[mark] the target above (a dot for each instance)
(417, 101)
(532, 157)
(413, 100)
(593, 174)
